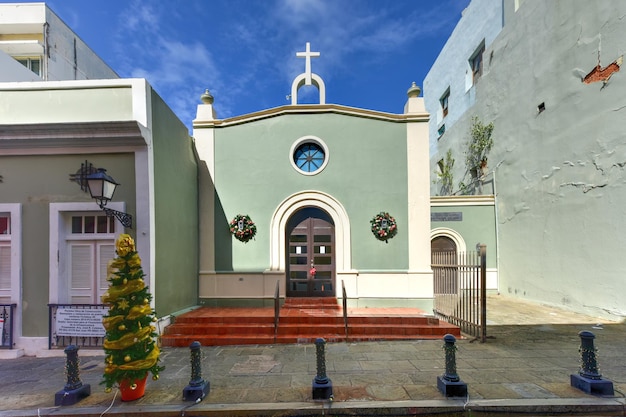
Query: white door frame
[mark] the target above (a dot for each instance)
(58, 240)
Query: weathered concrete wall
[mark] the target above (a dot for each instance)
(481, 22)
(70, 58)
(560, 152)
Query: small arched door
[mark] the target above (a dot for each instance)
(310, 254)
(444, 255)
(443, 244)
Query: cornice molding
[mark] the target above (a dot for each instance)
(462, 200)
(72, 135)
(313, 109)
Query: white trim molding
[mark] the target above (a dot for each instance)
(308, 139)
(57, 237)
(462, 200)
(451, 234)
(300, 80)
(322, 201)
(15, 213)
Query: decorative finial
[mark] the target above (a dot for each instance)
(414, 91)
(206, 97)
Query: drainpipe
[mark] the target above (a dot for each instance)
(46, 51)
(495, 202)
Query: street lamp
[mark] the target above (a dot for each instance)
(101, 187)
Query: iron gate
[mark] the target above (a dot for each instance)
(460, 290)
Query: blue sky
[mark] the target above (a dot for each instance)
(243, 51)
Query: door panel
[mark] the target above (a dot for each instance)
(88, 272)
(311, 267)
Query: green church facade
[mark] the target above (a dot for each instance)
(372, 162)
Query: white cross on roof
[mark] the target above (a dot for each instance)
(307, 65)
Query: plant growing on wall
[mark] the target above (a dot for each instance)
(129, 345)
(445, 177)
(478, 148)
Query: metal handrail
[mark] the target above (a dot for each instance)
(10, 324)
(276, 309)
(345, 308)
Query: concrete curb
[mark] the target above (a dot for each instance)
(450, 407)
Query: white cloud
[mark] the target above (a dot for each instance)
(178, 70)
(244, 51)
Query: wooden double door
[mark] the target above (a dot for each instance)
(311, 255)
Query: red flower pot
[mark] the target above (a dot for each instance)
(133, 390)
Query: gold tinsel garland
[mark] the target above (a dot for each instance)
(110, 322)
(138, 311)
(118, 291)
(137, 365)
(128, 339)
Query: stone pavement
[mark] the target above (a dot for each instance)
(524, 367)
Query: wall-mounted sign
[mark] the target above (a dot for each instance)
(446, 216)
(80, 322)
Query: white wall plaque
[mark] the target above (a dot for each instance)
(80, 322)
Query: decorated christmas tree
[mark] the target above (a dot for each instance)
(129, 345)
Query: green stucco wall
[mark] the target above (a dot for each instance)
(35, 182)
(176, 212)
(478, 225)
(366, 173)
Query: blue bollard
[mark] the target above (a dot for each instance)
(74, 389)
(197, 388)
(588, 378)
(449, 384)
(322, 385)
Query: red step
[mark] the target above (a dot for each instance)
(329, 303)
(304, 324)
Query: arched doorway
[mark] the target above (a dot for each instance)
(310, 254)
(445, 257)
(443, 244)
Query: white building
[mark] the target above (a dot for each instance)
(449, 86)
(37, 38)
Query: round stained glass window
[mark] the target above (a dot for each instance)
(309, 156)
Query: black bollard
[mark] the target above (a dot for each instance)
(322, 385)
(449, 384)
(198, 388)
(588, 378)
(74, 389)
